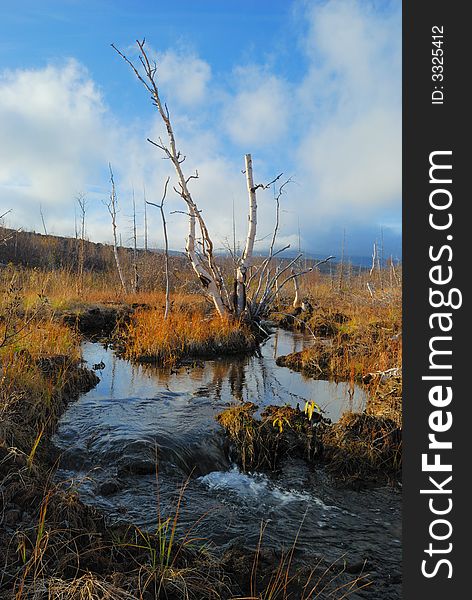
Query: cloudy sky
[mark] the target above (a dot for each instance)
(310, 88)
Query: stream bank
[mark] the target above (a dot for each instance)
(142, 416)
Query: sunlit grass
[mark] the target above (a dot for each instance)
(150, 337)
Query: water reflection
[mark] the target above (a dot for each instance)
(254, 378)
(140, 416)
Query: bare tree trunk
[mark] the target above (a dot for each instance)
(296, 301)
(341, 271)
(81, 201)
(145, 222)
(251, 236)
(166, 246)
(204, 266)
(135, 251)
(203, 261)
(276, 284)
(112, 209)
(374, 259)
(42, 219)
(370, 283)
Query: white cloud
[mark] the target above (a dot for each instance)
(356, 166)
(257, 115)
(52, 122)
(184, 77)
(337, 130)
(351, 149)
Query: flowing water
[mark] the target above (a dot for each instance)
(138, 416)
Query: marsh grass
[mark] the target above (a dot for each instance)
(184, 334)
(68, 551)
(261, 443)
(63, 549)
(355, 333)
(322, 581)
(63, 290)
(363, 448)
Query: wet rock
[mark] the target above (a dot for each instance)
(136, 467)
(360, 566)
(109, 487)
(139, 458)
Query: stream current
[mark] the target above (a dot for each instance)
(140, 416)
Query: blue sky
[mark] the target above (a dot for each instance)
(310, 88)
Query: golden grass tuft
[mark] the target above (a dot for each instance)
(86, 587)
(151, 338)
(261, 443)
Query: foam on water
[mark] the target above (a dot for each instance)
(256, 487)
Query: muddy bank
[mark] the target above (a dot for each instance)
(360, 448)
(139, 332)
(325, 359)
(312, 318)
(100, 322)
(29, 414)
(260, 444)
(54, 545)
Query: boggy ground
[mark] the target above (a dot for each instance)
(54, 546)
(356, 338)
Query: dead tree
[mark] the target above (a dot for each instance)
(82, 203)
(112, 206)
(254, 288)
(370, 283)
(341, 266)
(8, 236)
(145, 223)
(166, 245)
(297, 302)
(203, 262)
(135, 251)
(42, 219)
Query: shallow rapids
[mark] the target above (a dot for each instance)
(129, 445)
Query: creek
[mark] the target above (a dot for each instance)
(140, 416)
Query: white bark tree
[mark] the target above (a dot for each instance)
(203, 264)
(255, 287)
(82, 203)
(112, 209)
(135, 284)
(166, 246)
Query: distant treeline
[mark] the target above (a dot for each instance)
(52, 252)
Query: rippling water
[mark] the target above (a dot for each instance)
(138, 417)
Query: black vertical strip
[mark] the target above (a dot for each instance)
(427, 128)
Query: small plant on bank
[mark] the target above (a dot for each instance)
(260, 443)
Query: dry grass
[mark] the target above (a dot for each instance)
(282, 581)
(63, 549)
(357, 338)
(187, 333)
(61, 289)
(362, 448)
(86, 587)
(39, 362)
(261, 443)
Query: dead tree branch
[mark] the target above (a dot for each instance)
(166, 245)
